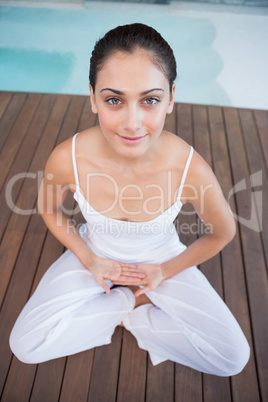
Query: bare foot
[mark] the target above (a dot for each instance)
(140, 300)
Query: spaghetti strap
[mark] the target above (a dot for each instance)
(74, 162)
(185, 171)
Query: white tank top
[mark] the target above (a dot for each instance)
(151, 242)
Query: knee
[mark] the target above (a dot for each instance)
(236, 357)
(21, 349)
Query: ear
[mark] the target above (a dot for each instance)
(171, 102)
(92, 100)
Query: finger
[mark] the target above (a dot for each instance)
(131, 280)
(142, 291)
(105, 286)
(129, 267)
(124, 264)
(125, 279)
(133, 274)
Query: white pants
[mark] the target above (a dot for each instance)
(188, 322)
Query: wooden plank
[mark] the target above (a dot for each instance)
(245, 385)
(256, 161)
(253, 251)
(250, 241)
(256, 164)
(214, 388)
(105, 371)
(20, 285)
(132, 375)
(77, 377)
(184, 122)
(261, 118)
(18, 389)
(10, 115)
(16, 135)
(18, 223)
(19, 290)
(170, 123)
(23, 159)
(201, 132)
(188, 384)
(47, 384)
(5, 98)
(160, 382)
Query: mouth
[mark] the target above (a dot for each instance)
(131, 140)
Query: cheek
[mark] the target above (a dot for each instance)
(108, 119)
(156, 119)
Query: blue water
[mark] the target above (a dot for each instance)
(48, 50)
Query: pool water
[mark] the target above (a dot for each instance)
(48, 50)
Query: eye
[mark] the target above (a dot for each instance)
(113, 101)
(151, 101)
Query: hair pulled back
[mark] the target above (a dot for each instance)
(128, 38)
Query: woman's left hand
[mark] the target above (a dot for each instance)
(153, 277)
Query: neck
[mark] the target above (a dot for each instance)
(125, 162)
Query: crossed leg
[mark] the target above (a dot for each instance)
(69, 312)
(190, 324)
(186, 321)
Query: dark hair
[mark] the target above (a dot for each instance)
(128, 38)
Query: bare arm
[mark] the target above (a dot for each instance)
(58, 179)
(212, 208)
(204, 193)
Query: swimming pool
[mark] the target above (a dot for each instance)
(48, 49)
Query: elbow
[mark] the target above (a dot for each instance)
(229, 232)
(224, 234)
(232, 230)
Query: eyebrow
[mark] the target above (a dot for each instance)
(117, 92)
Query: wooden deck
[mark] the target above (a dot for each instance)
(235, 143)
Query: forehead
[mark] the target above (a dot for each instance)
(136, 70)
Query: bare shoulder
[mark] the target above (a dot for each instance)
(176, 148)
(199, 175)
(200, 171)
(179, 149)
(200, 179)
(88, 141)
(60, 162)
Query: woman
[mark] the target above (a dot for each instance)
(130, 179)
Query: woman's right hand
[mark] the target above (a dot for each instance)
(103, 268)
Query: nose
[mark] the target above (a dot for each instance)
(132, 119)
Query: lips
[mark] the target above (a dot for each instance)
(132, 140)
